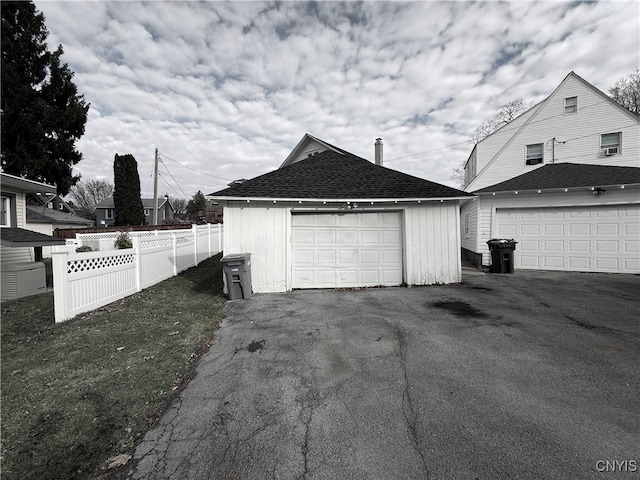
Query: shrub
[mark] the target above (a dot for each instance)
(123, 241)
(84, 248)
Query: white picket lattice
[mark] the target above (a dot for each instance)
(86, 281)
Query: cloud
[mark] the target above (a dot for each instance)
(229, 88)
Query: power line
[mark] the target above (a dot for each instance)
(193, 169)
(167, 169)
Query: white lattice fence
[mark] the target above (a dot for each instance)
(86, 281)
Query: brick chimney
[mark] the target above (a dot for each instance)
(378, 151)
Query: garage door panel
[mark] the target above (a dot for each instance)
(370, 256)
(348, 236)
(579, 229)
(551, 229)
(529, 229)
(326, 257)
(370, 236)
(601, 238)
(607, 229)
(326, 236)
(359, 249)
(579, 245)
(579, 263)
(303, 236)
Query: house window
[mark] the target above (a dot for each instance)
(535, 154)
(109, 214)
(610, 143)
(571, 105)
(5, 212)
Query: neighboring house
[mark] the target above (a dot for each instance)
(327, 218)
(105, 211)
(213, 212)
(21, 249)
(563, 180)
(45, 220)
(54, 202)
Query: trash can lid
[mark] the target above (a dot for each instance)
(234, 257)
(494, 241)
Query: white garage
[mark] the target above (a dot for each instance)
(330, 219)
(346, 249)
(585, 239)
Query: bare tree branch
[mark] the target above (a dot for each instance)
(86, 195)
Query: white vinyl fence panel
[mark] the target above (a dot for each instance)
(86, 281)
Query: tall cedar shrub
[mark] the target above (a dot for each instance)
(126, 194)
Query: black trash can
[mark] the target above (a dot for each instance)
(501, 255)
(237, 272)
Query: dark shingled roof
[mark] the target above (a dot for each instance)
(568, 175)
(337, 175)
(19, 237)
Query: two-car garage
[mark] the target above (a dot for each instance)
(585, 239)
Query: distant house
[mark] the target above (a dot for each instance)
(563, 180)
(21, 249)
(105, 211)
(213, 212)
(327, 218)
(44, 219)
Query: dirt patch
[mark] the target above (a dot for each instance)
(460, 309)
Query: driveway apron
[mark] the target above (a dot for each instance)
(504, 376)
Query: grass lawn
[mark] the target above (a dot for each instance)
(78, 393)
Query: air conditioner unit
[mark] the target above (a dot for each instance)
(611, 151)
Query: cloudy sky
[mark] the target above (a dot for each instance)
(226, 90)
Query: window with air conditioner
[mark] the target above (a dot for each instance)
(610, 143)
(571, 105)
(534, 154)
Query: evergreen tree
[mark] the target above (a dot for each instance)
(42, 114)
(126, 194)
(196, 206)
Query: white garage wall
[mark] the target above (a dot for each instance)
(431, 246)
(432, 243)
(263, 230)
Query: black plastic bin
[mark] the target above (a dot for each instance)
(501, 255)
(237, 272)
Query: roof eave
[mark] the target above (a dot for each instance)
(341, 200)
(621, 186)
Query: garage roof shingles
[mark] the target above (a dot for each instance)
(568, 175)
(336, 175)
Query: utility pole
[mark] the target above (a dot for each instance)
(155, 190)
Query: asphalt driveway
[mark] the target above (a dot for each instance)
(530, 375)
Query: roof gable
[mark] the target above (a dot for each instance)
(309, 146)
(567, 175)
(335, 174)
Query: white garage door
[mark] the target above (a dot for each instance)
(584, 239)
(346, 250)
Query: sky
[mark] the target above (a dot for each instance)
(225, 90)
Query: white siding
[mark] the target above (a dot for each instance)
(501, 156)
(432, 244)
(469, 218)
(431, 241)
(311, 148)
(17, 255)
(262, 230)
(45, 228)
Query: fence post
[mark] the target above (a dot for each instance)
(175, 254)
(209, 254)
(219, 237)
(136, 249)
(61, 290)
(194, 229)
